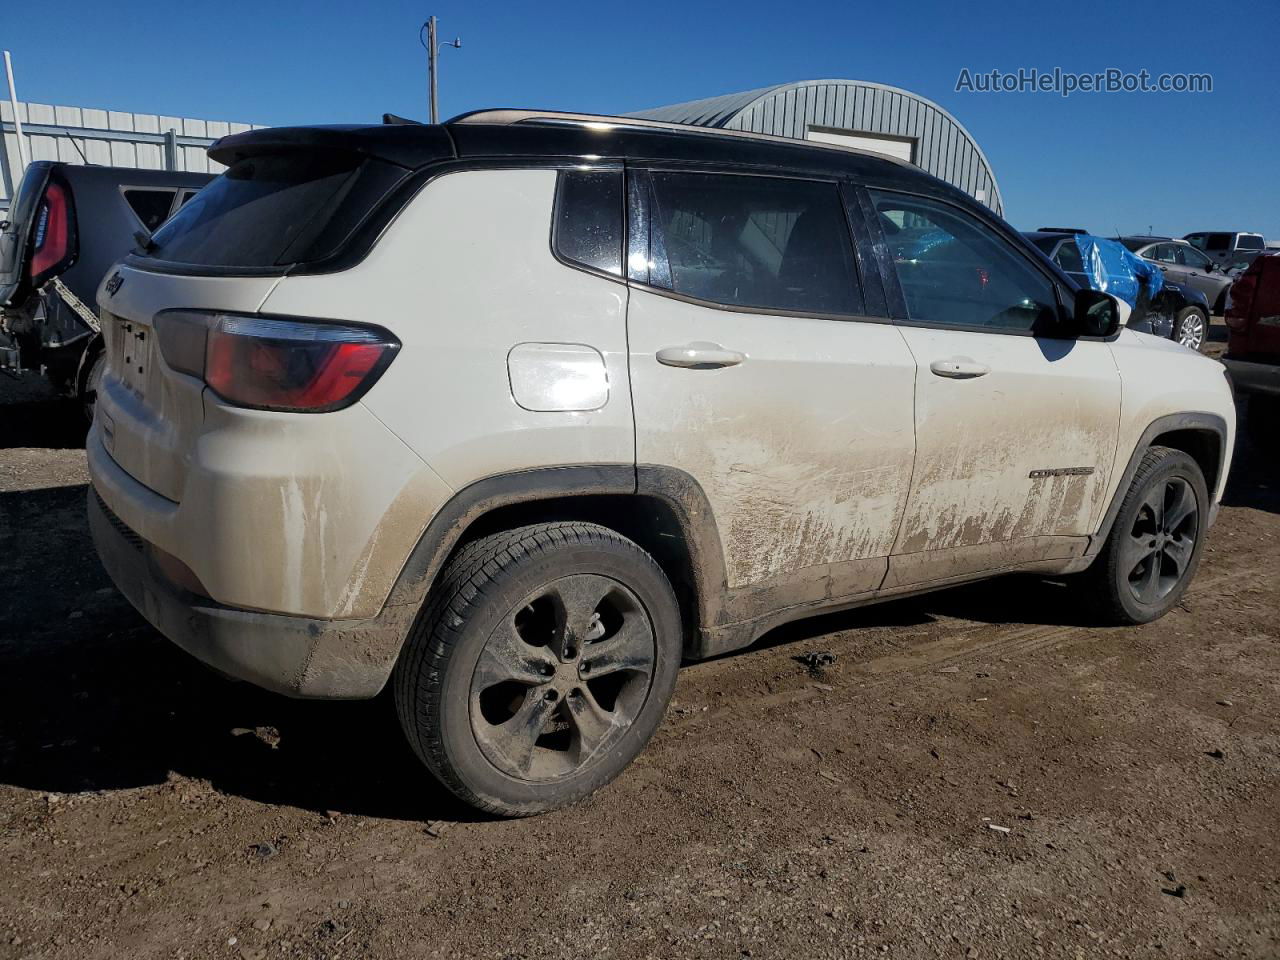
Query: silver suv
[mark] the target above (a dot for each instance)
(515, 413)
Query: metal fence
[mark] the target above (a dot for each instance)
(106, 137)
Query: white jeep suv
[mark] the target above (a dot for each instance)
(517, 412)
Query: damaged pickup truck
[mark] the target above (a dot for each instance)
(68, 223)
(515, 413)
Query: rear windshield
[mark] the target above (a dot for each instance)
(265, 211)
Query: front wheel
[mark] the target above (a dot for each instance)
(1191, 328)
(541, 666)
(1154, 546)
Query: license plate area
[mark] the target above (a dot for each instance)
(133, 342)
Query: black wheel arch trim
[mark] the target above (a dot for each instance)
(687, 508)
(1162, 425)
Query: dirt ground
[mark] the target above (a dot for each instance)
(980, 773)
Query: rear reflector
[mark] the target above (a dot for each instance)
(275, 364)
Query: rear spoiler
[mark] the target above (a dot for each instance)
(409, 145)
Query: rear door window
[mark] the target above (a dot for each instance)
(761, 242)
(1248, 241)
(150, 206)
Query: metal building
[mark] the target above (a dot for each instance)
(869, 116)
(104, 137)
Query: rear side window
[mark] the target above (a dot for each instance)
(760, 242)
(1249, 242)
(150, 206)
(588, 219)
(263, 211)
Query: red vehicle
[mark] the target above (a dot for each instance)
(1253, 347)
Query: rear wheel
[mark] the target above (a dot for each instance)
(1191, 327)
(1154, 546)
(541, 666)
(91, 383)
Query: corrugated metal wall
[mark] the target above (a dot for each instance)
(942, 146)
(107, 137)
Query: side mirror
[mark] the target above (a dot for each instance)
(1097, 314)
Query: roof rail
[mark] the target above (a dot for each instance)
(508, 115)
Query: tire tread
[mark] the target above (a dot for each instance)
(464, 580)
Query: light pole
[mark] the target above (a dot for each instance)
(433, 55)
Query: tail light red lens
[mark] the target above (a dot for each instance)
(51, 242)
(275, 364)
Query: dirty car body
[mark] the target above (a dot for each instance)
(786, 378)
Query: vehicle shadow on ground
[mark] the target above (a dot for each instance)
(92, 698)
(54, 425)
(1255, 473)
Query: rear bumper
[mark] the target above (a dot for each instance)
(296, 656)
(1250, 377)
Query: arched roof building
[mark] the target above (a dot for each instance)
(869, 116)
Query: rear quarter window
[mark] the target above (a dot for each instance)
(588, 219)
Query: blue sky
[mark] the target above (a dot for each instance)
(1107, 162)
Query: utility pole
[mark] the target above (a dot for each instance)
(433, 56)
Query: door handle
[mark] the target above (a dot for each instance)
(959, 368)
(700, 355)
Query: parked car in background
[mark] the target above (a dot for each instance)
(413, 406)
(67, 224)
(1186, 266)
(1177, 311)
(1229, 250)
(1253, 346)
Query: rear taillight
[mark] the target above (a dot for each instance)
(51, 240)
(274, 364)
(1241, 301)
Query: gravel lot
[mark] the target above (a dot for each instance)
(149, 808)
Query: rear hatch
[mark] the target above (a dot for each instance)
(275, 210)
(148, 414)
(15, 239)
